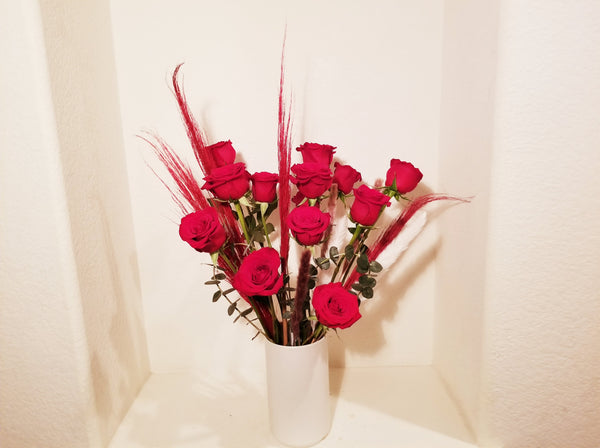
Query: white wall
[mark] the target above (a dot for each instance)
(72, 348)
(466, 130)
(543, 290)
(519, 323)
(365, 77)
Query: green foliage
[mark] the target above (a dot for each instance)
(334, 254)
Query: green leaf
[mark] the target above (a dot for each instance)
(216, 296)
(258, 236)
(212, 282)
(361, 270)
(357, 287)
(367, 293)
(352, 230)
(270, 228)
(363, 262)
(219, 276)
(311, 283)
(228, 291)
(323, 262)
(349, 252)
(243, 314)
(250, 223)
(334, 254)
(313, 270)
(231, 308)
(375, 267)
(365, 280)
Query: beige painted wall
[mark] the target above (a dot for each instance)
(72, 347)
(519, 310)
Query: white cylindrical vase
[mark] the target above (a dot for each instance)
(298, 392)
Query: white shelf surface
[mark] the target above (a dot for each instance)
(372, 407)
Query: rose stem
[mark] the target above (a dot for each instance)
(241, 219)
(362, 241)
(264, 223)
(226, 259)
(343, 257)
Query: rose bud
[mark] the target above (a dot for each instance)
(345, 177)
(367, 205)
(312, 179)
(316, 153)
(264, 186)
(308, 224)
(228, 182)
(335, 307)
(202, 230)
(404, 174)
(258, 274)
(222, 152)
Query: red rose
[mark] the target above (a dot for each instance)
(312, 179)
(228, 182)
(264, 186)
(335, 307)
(316, 153)
(367, 205)
(202, 230)
(222, 152)
(405, 174)
(259, 273)
(308, 224)
(345, 177)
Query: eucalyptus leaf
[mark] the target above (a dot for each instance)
(334, 254)
(367, 293)
(375, 267)
(311, 283)
(349, 252)
(363, 262)
(258, 236)
(357, 287)
(231, 308)
(228, 291)
(219, 276)
(216, 296)
(322, 262)
(365, 280)
(361, 270)
(212, 282)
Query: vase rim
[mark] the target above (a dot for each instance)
(296, 346)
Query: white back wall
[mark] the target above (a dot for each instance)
(365, 78)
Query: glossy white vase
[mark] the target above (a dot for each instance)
(298, 393)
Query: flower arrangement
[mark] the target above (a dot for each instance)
(232, 215)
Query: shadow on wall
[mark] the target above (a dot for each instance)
(367, 335)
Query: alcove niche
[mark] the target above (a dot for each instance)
(468, 328)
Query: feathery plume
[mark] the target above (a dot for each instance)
(196, 136)
(187, 194)
(284, 151)
(301, 294)
(396, 226)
